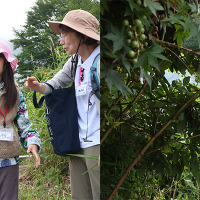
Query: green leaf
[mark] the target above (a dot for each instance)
(117, 37)
(153, 54)
(84, 156)
(194, 164)
(181, 117)
(159, 104)
(146, 76)
(167, 149)
(186, 81)
(153, 61)
(114, 78)
(173, 18)
(131, 4)
(153, 6)
(127, 65)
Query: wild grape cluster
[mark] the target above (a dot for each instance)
(136, 37)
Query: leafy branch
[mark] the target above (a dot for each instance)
(168, 44)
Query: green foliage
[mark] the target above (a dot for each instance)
(36, 40)
(141, 107)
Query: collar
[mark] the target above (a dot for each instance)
(88, 63)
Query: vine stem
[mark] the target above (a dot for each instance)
(126, 172)
(180, 60)
(163, 43)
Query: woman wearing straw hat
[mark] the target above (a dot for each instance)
(13, 111)
(79, 37)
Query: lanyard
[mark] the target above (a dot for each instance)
(4, 116)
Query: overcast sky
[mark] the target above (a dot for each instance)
(13, 14)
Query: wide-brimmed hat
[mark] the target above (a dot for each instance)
(79, 20)
(6, 51)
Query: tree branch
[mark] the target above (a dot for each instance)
(166, 44)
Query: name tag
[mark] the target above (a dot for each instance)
(6, 134)
(81, 90)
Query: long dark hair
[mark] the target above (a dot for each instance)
(9, 84)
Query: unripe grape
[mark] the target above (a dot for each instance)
(144, 17)
(139, 2)
(130, 33)
(142, 37)
(135, 44)
(141, 30)
(138, 23)
(128, 41)
(135, 60)
(131, 53)
(125, 22)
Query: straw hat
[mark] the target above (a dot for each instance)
(6, 51)
(79, 20)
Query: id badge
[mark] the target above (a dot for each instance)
(6, 134)
(81, 90)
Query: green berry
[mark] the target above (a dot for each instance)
(139, 2)
(125, 22)
(130, 33)
(135, 44)
(135, 60)
(142, 37)
(144, 17)
(138, 23)
(128, 41)
(131, 53)
(141, 30)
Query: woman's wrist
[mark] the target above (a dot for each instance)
(41, 88)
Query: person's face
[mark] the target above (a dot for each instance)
(70, 41)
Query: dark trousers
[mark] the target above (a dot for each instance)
(9, 180)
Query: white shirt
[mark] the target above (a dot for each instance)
(89, 119)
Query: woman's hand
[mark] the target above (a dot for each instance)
(33, 84)
(33, 148)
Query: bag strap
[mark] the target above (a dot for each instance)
(74, 63)
(39, 104)
(73, 73)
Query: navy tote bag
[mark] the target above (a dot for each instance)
(62, 119)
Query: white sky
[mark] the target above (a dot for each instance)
(13, 14)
